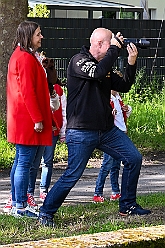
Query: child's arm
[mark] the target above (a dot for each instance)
(63, 129)
(127, 109)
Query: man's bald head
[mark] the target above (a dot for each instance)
(100, 41)
(100, 34)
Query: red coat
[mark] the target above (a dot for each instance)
(27, 101)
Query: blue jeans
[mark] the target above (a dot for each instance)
(47, 164)
(34, 169)
(111, 165)
(24, 159)
(81, 144)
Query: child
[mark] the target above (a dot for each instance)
(55, 105)
(121, 112)
(58, 132)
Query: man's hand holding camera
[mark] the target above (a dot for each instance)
(117, 40)
(132, 53)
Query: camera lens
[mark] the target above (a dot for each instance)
(141, 43)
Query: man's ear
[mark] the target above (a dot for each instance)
(100, 43)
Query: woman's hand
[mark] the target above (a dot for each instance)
(38, 127)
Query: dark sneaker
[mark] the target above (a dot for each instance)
(135, 209)
(46, 221)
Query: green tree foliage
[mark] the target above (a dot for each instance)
(127, 15)
(39, 10)
(109, 14)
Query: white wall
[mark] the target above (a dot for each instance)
(157, 7)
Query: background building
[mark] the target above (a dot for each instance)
(119, 9)
(154, 8)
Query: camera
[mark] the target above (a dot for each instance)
(140, 43)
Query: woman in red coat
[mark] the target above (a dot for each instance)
(29, 121)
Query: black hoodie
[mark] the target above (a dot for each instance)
(89, 85)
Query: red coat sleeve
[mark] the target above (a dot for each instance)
(28, 86)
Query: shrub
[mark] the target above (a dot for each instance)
(7, 150)
(145, 88)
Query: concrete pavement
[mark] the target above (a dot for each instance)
(152, 179)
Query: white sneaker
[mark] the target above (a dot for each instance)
(8, 207)
(28, 212)
(43, 196)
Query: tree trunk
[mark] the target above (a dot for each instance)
(12, 12)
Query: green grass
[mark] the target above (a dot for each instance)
(83, 219)
(146, 127)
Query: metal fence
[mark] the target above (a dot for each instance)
(150, 65)
(64, 37)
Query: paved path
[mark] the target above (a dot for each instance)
(152, 179)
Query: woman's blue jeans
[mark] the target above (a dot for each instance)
(25, 157)
(81, 144)
(47, 164)
(112, 166)
(34, 169)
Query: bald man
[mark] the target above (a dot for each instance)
(90, 123)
